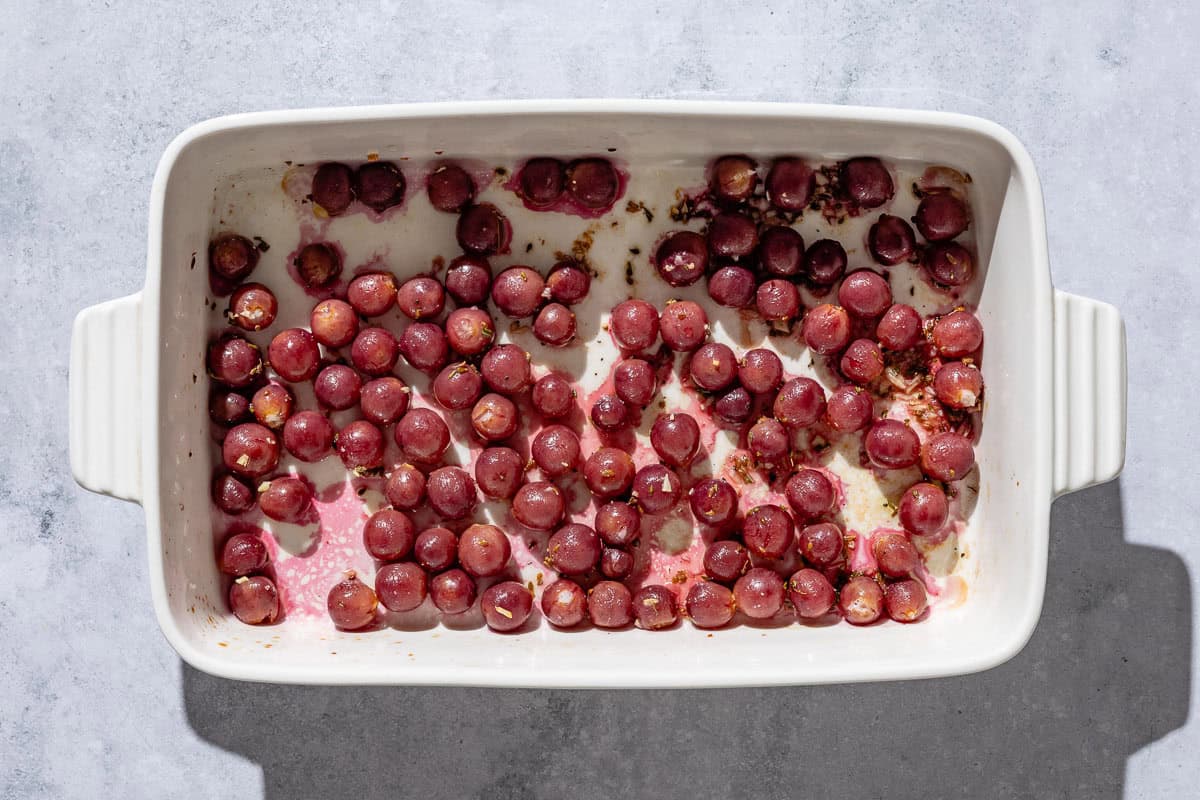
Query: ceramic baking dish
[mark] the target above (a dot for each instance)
(1054, 422)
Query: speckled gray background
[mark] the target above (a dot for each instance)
(94, 703)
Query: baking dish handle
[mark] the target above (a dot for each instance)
(105, 398)
(1089, 392)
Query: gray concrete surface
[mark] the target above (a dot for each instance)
(1100, 705)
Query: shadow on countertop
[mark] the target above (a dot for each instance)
(1106, 673)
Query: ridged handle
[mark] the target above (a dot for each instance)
(1089, 392)
(106, 396)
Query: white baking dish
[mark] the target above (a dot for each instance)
(1055, 416)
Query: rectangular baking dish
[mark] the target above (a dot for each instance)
(1055, 416)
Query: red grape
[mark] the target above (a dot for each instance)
(947, 457)
(506, 606)
(865, 293)
(450, 188)
(759, 593)
(242, 554)
(768, 440)
(254, 600)
(318, 264)
(539, 505)
(333, 188)
(469, 331)
(453, 592)
(232, 257)
(423, 345)
(352, 604)
(483, 230)
(540, 181)
(861, 600)
(250, 450)
(421, 297)
(592, 182)
(713, 367)
(865, 181)
(401, 587)
(457, 386)
(228, 408)
(422, 435)
(451, 492)
(760, 371)
(379, 185)
(555, 449)
(899, 328)
(469, 279)
(506, 370)
(656, 488)
(655, 607)
(499, 471)
(616, 564)
(334, 323)
(826, 329)
(895, 554)
(810, 494)
(517, 291)
(781, 252)
(634, 325)
(862, 361)
(388, 534)
(272, 405)
(714, 502)
(778, 300)
(768, 531)
(923, 509)
(957, 334)
(338, 387)
(574, 549)
(790, 184)
(822, 544)
(732, 179)
(825, 262)
(405, 487)
(231, 494)
(800, 403)
(891, 444)
(234, 361)
(483, 551)
(384, 400)
(610, 605)
(610, 414)
(732, 235)
(891, 240)
(905, 600)
(374, 351)
(494, 417)
(732, 286)
(958, 385)
(709, 605)
(360, 445)
(564, 603)
(734, 407)
(308, 436)
(608, 472)
(941, 216)
(849, 408)
(436, 549)
(372, 294)
(949, 263)
(634, 382)
(618, 524)
(285, 499)
(553, 396)
(725, 561)
(252, 307)
(555, 325)
(683, 325)
(811, 594)
(676, 439)
(568, 283)
(682, 258)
